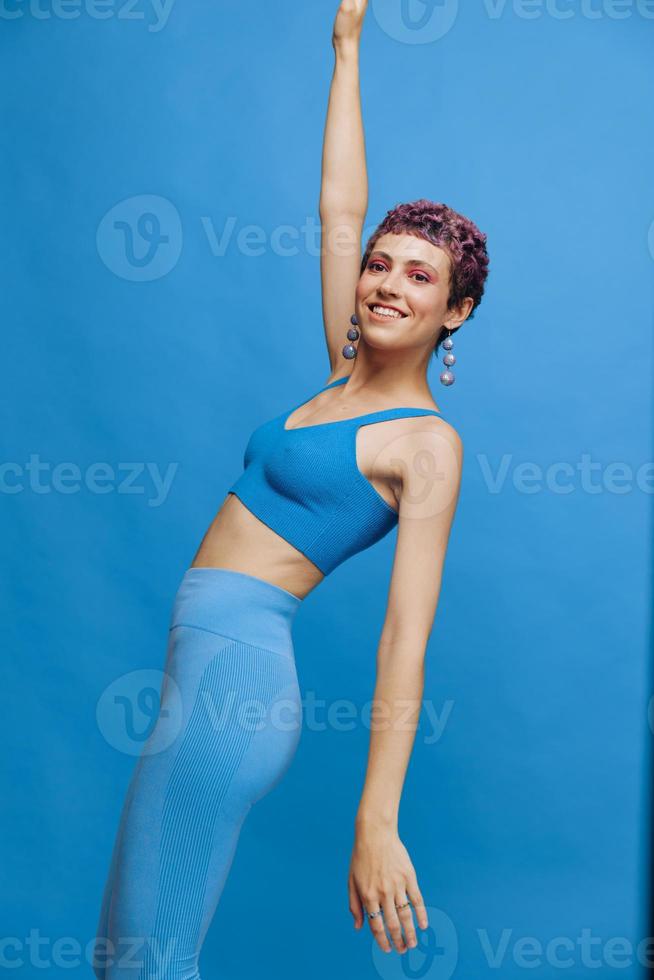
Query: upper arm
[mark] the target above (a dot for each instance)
(430, 460)
(340, 259)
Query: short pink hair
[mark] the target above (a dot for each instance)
(455, 234)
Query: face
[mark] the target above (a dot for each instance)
(411, 277)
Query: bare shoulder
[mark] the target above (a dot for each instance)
(427, 465)
(425, 428)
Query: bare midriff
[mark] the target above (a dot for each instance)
(237, 540)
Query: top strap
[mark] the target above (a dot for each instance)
(388, 414)
(339, 381)
(384, 412)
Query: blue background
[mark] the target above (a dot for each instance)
(529, 814)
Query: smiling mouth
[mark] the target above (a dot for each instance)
(386, 312)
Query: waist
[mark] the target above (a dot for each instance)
(239, 540)
(236, 605)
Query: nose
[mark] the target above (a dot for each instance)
(388, 286)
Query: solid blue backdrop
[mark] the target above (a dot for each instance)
(161, 298)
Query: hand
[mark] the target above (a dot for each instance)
(349, 20)
(382, 876)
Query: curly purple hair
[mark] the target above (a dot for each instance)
(455, 234)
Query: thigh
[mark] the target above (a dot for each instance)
(228, 726)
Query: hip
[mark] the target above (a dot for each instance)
(237, 606)
(230, 667)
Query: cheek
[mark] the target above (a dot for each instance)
(430, 304)
(363, 287)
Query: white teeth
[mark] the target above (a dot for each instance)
(384, 311)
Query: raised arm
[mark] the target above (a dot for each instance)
(344, 184)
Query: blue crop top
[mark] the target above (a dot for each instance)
(304, 484)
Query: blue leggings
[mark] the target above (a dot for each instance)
(229, 722)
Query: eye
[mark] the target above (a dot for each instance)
(377, 262)
(424, 277)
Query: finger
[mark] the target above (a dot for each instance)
(393, 923)
(376, 922)
(418, 905)
(405, 915)
(356, 906)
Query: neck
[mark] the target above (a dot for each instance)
(391, 373)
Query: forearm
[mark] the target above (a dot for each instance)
(394, 721)
(344, 186)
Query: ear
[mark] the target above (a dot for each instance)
(458, 314)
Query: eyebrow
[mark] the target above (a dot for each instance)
(406, 261)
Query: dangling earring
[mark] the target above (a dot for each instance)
(350, 351)
(447, 377)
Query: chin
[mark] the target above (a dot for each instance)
(381, 341)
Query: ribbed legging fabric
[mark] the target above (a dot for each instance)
(228, 726)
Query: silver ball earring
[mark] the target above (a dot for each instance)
(447, 377)
(350, 351)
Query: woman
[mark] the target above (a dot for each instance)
(323, 481)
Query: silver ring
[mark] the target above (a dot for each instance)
(371, 915)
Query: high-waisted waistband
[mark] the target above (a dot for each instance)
(237, 605)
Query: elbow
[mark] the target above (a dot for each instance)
(406, 632)
(335, 209)
(403, 645)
